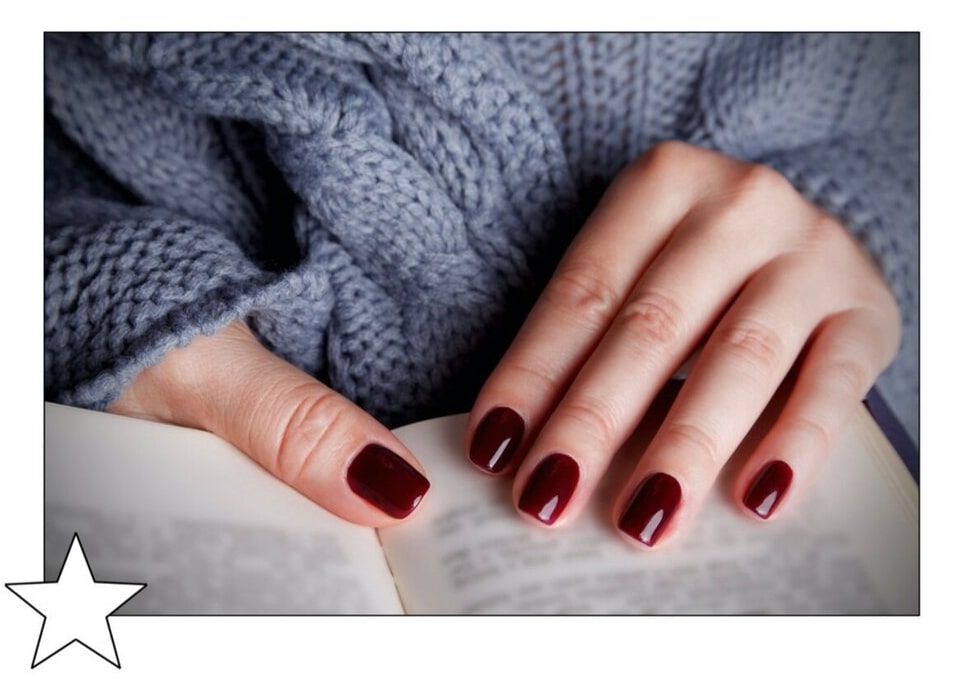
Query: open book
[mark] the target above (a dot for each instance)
(211, 532)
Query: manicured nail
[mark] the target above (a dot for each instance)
(652, 507)
(496, 440)
(768, 488)
(549, 489)
(385, 480)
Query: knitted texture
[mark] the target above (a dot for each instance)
(383, 208)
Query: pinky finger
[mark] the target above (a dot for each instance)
(840, 366)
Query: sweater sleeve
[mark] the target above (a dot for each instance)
(154, 225)
(367, 203)
(837, 114)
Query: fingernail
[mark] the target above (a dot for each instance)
(652, 507)
(768, 488)
(496, 440)
(385, 480)
(549, 489)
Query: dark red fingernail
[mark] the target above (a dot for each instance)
(496, 440)
(768, 488)
(549, 489)
(385, 480)
(653, 505)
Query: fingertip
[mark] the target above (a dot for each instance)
(364, 475)
(549, 489)
(767, 489)
(495, 443)
(386, 481)
(648, 516)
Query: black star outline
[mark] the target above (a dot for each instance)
(75, 542)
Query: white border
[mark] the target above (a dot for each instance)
(395, 647)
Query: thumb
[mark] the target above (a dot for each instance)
(304, 433)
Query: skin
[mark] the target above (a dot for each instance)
(690, 253)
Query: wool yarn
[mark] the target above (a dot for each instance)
(382, 209)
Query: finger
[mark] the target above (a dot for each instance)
(620, 239)
(842, 362)
(680, 296)
(310, 437)
(737, 372)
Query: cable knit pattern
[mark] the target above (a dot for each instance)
(383, 208)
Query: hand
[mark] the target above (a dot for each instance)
(310, 437)
(688, 250)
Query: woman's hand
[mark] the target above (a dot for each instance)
(688, 250)
(301, 431)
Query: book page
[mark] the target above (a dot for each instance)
(207, 529)
(850, 548)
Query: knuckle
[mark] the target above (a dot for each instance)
(828, 227)
(594, 417)
(883, 313)
(700, 444)
(891, 310)
(583, 292)
(311, 424)
(653, 319)
(666, 152)
(851, 376)
(818, 435)
(893, 327)
(753, 343)
(663, 158)
(757, 181)
(533, 377)
(824, 234)
(753, 189)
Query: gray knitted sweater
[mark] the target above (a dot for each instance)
(383, 209)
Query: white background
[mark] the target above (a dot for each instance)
(394, 647)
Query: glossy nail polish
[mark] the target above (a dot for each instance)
(768, 488)
(549, 488)
(496, 440)
(653, 505)
(385, 480)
